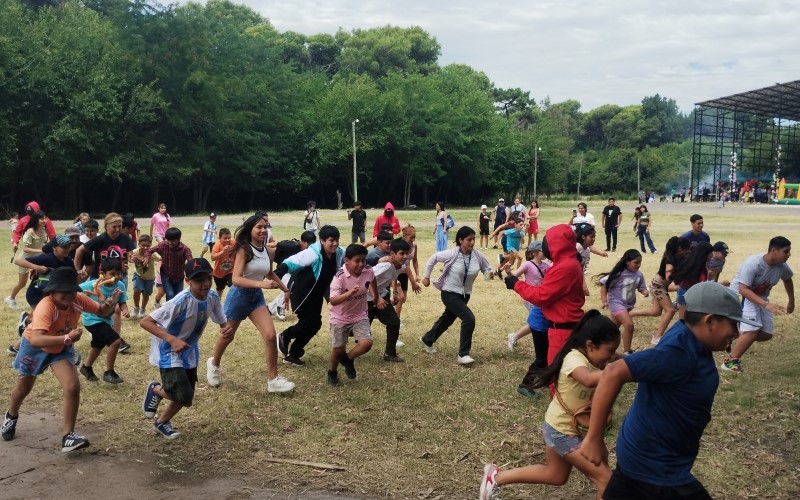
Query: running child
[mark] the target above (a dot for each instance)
(144, 276)
(222, 255)
(690, 271)
(348, 312)
(176, 329)
(618, 292)
(47, 342)
(513, 230)
(676, 249)
(717, 262)
(209, 235)
(102, 328)
(386, 275)
(575, 372)
(585, 234)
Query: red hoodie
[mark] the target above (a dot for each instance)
(34, 207)
(561, 293)
(382, 219)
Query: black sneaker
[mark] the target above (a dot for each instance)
(111, 377)
(124, 346)
(88, 372)
(9, 427)
(333, 377)
(291, 360)
(12, 350)
(72, 442)
(23, 322)
(349, 366)
(282, 345)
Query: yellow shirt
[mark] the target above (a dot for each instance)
(573, 393)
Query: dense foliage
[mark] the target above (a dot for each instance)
(111, 104)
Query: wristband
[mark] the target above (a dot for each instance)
(67, 340)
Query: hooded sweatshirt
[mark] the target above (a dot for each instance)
(560, 296)
(305, 268)
(20, 229)
(383, 219)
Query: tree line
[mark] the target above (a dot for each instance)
(120, 104)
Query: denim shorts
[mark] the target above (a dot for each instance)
(32, 361)
(681, 292)
(142, 285)
(560, 443)
(240, 302)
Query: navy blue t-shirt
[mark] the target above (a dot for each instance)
(660, 435)
(35, 291)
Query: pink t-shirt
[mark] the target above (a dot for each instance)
(355, 308)
(160, 224)
(532, 275)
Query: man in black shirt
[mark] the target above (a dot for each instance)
(359, 218)
(612, 218)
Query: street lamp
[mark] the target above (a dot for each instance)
(355, 178)
(536, 150)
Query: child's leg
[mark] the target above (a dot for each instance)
(136, 296)
(624, 319)
(117, 320)
(145, 300)
(598, 474)
(555, 471)
(336, 355)
(654, 310)
(668, 312)
(263, 323)
(22, 279)
(21, 390)
(745, 340)
(359, 349)
(525, 330)
(94, 353)
(68, 378)
(111, 354)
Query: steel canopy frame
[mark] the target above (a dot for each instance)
(754, 125)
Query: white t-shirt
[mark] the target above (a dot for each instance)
(385, 274)
(760, 277)
(184, 317)
(314, 224)
(579, 219)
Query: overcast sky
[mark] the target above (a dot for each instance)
(598, 52)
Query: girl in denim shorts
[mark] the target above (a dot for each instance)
(252, 272)
(574, 373)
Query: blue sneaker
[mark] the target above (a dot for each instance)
(166, 430)
(9, 427)
(151, 400)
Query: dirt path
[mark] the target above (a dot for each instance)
(34, 467)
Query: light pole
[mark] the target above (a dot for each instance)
(355, 174)
(536, 150)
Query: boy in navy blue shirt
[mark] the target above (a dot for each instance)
(660, 436)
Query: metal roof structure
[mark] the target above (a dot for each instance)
(781, 101)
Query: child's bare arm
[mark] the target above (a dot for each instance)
(150, 325)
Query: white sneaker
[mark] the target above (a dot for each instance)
(156, 304)
(402, 325)
(400, 343)
(465, 360)
(11, 303)
(212, 373)
(280, 384)
(655, 340)
(429, 349)
(134, 313)
(512, 342)
(281, 313)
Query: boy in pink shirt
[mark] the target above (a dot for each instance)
(348, 313)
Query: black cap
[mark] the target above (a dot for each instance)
(197, 266)
(63, 279)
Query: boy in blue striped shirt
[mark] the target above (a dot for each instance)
(176, 328)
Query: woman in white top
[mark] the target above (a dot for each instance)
(252, 272)
(461, 266)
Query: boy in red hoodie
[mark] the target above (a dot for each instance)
(561, 293)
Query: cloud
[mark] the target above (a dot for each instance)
(597, 52)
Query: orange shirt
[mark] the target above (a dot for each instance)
(58, 322)
(223, 266)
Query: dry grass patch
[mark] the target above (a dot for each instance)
(423, 429)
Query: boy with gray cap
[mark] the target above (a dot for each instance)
(660, 435)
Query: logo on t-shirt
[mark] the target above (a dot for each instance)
(114, 252)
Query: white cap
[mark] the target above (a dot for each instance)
(483, 206)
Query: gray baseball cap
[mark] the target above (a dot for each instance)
(535, 246)
(709, 297)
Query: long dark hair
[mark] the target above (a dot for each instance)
(594, 327)
(242, 235)
(670, 256)
(629, 255)
(692, 267)
(33, 221)
(463, 233)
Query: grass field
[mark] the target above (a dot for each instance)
(424, 428)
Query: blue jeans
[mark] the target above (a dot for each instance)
(643, 234)
(171, 288)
